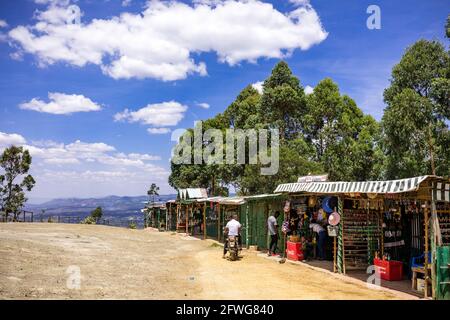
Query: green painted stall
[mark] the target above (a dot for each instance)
(258, 209)
(443, 273)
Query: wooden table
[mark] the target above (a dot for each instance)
(421, 270)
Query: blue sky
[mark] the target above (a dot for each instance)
(84, 142)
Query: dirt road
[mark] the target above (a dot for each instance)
(39, 261)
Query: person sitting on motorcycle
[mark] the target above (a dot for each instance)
(232, 228)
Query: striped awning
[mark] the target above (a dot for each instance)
(389, 186)
(441, 191)
(293, 187)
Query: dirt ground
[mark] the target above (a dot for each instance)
(38, 261)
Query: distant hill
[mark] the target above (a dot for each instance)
(113, 206)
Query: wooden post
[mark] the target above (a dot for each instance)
(187, 219)
(218, 222)
(204, 220)
(246, 226)
(334, 254)
(426, 251)
(192, 214)
(340, 260)
(167, 220)
(177, 212)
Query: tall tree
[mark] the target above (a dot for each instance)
(323, 132)
(153, 191)
(344, 139)
(97, 213)
(15, 162)
(418, 107)
(283, 101)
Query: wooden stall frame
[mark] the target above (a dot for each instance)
(204, 220)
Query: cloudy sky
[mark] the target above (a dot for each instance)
(94, 89)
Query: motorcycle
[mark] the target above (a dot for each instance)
(233, 247)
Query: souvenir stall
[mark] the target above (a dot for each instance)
(218, 210)
(399, 226)
(252, 212)
(189, 213)
(171, 217)
(309, 233)
(255, 213)
(155, 216)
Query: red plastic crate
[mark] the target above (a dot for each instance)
(389, 270)
(294, 251)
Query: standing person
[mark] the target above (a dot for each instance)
(317, 228)
(232, 228)
(272, 227)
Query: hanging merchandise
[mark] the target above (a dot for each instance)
(312, 202)
(334, 218)
(287, 206)
(285, 227)
(328, 204)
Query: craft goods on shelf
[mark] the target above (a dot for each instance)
(361, 231)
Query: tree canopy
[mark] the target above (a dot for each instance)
(326, 132)
(321, 132)
(415, 121)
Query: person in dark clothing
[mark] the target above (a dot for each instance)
(272, 227)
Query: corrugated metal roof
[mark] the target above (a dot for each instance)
(224, 200)
(192, 193)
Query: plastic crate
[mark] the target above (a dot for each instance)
(389, 270)
(294, 251)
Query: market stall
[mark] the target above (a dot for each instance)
(400, 226)
(189, 213)
(155, 215)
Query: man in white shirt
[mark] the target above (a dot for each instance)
(232, 228)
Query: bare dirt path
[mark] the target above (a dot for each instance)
(117, 263)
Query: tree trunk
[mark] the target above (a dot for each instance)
(431, 150)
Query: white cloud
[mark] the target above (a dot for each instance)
(308, 89)
(203, 105)
(3, 24)
(53, 2)
(258, 86)
(60, 161)
(7, 139)
(88, 169)
(157, 43)
(300, 2)
(61, 103)
(158, 114)
(126, 3)
(158, 130)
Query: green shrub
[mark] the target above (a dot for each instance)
(132, 225)
(89, 220)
